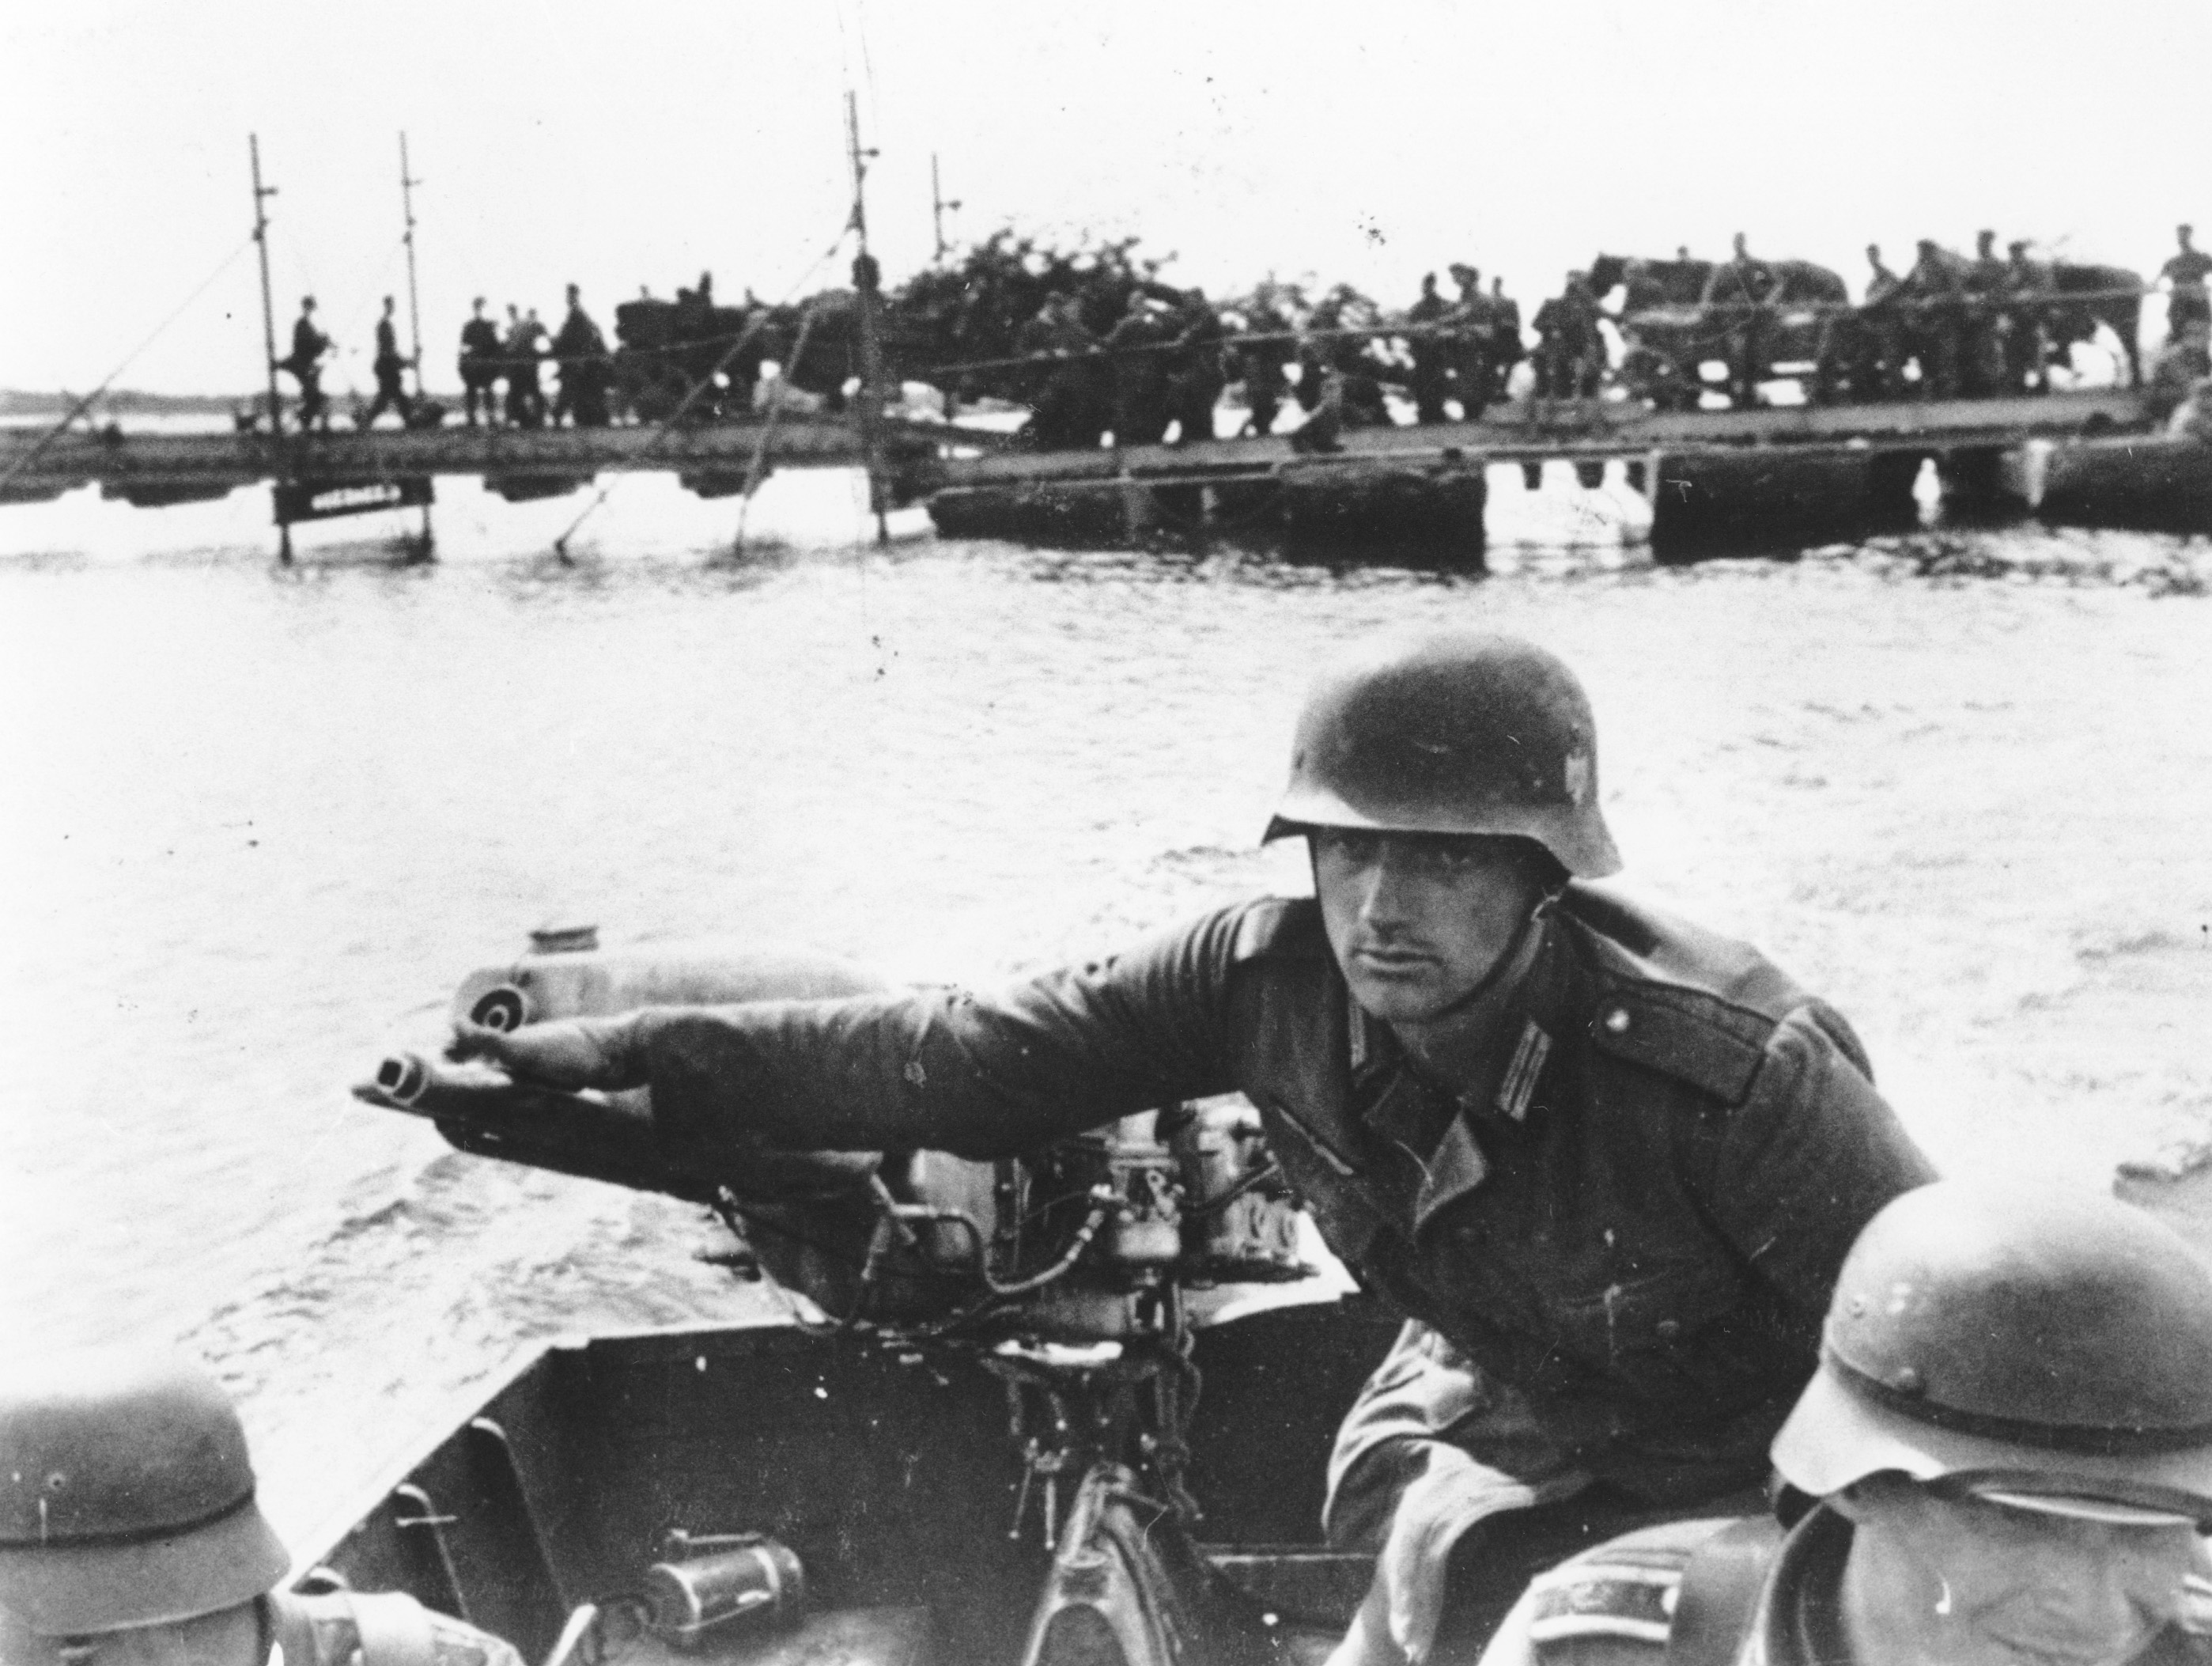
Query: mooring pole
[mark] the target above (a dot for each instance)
(867, 279)
(261, 194)
(407, 184)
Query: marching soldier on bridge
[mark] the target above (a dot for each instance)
(585, 365)
(1067, 398)
(1570, 351)
(581, 351)
(1982, 347)
(1608, 1162)
(1038, 340)
(480, 365)
(1934, 305)
(1425, 340)
(388, 365)
(1741, 289)
(1878, 360)
(1140, 377)
(1473, 326)
(1195, 377)
(1506, 347)
(2186, 300)
(523, 349)
(129, 1535)
(305, 364)
(2005, 1460)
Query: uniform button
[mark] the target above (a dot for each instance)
(1617, 1020)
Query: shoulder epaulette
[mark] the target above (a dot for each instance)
(1279, 926)
(1629, 1596)
(1713, 1045)
(1648, 944)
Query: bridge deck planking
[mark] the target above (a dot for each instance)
(1589, 430)
(1529, 431)
(229, 461)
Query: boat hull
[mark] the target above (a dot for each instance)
(888, 1467)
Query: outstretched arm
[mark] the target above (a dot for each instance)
(949, 1070)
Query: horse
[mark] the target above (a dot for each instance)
(670, 352)
(2110, 295)
(1675, 315)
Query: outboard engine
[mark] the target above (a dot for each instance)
(1088, 1240)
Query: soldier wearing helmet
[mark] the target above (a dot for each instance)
(1608, 1163)
(129, 1535)
(2004, 1460)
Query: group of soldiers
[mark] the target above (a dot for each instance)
(516, 356)
(1163, 364)
(310, 346)
(1974, 328)
(490, 357)
(1677, 1281)
(1156, 374)
(1948, 327)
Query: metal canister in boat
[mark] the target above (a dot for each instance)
(759, 1584)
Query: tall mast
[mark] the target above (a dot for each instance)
(261, 194)
(938, 204)
(867, 281)
(407, 184)
(426, 542)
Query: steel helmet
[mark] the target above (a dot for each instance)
(2054, 1350)
(1460, 733)
(126, 1496)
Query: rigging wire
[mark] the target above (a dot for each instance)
(753, 476)
(668, 423)
(130, 358)
(867, 61)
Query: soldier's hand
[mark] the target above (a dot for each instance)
(1397, 1622)
(563, 1053)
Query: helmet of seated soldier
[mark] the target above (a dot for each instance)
(126, 1496)
(2050, 1350)
(1460, 733)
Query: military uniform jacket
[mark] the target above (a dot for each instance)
(1635, 1219)
(1732, 1593)
(341, 1628)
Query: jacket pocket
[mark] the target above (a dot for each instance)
(1698, 1335)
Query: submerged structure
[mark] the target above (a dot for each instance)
(1717, 482)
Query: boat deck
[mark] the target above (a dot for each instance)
(889, 1470)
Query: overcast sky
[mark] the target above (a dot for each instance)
(1371, 140)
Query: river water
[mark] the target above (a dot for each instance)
(256, 821)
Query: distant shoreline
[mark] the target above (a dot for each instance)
(126, 402)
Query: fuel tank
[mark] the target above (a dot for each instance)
(565, 974)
